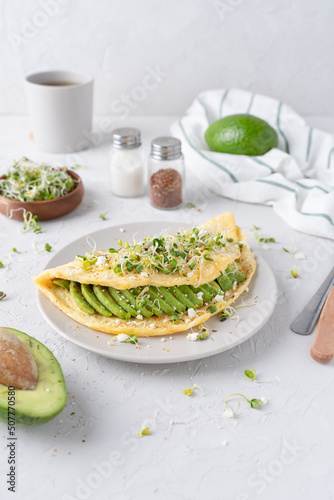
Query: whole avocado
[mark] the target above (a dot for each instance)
(241, 134)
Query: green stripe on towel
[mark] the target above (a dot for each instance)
(278, 123)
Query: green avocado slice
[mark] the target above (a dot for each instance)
(91, 298)
(132, 301)
(121, 301)
(171, 300)
(157, 299)
(186, 290)
(42, 404)
(108, 302)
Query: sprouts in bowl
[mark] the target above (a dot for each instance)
(48, 192)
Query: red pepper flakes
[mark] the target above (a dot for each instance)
(166, 188)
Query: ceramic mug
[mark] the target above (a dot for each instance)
(61, 107)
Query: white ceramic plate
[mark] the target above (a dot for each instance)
(224, 335)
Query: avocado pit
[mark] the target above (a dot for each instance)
(18, 367)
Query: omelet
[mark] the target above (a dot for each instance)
(161, 285)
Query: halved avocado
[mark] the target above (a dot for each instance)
(41, 404)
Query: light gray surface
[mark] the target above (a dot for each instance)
(283, 450)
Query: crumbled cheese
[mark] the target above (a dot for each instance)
(101, 260)
(163, 339)
(117, 321)
(121, 337)
(228, 413)
(200, 295)
(143, 274)
(218, 298)
(263, 401)
(192, 336)
(299, 256)
(224, 443)
(151, 325)
(191, 313)
(265, 247)
(235, 285)
(191, 273)
(122, 230)
(139, 316)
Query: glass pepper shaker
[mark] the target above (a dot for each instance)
(126, 163)
(166, 173)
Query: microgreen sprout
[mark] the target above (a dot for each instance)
(48, 247)
(182, 252)
(30, 222)
(144, 432)
(191, 206)
(251, 374)
(189, 390)
(212, 309)
(254, 403)
(2, 295)
(132, 339)
(229, 312)
(203, 332)
(103, 215)
(27, 180)
(294, 273)
(259, 236)
(292, 252)
(13, 250)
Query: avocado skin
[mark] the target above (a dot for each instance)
(241, 134)
(24, 417)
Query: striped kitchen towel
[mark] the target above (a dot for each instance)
(296, 178)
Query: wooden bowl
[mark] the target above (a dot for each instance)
(45, 210)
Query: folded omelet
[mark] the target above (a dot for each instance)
(161, 285)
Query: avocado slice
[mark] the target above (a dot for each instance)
(42, 404)
(225, 282)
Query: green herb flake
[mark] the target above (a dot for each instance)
(191, 206)
(144, 432)
(48, 247)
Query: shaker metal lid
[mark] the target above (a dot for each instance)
(126, 138)
(166, 148)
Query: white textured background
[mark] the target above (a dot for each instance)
(283, 48)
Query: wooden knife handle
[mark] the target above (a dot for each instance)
(322, 349)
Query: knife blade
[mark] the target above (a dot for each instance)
(304, 322)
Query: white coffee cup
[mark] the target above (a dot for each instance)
(61, 107)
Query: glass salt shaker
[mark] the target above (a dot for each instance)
(166, 173)
(126, 163)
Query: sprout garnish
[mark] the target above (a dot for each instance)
(48, 247)
(259, 236)
(27, 180)
(103, 215)
(254, 403)
(30, 222)
(251, 374)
